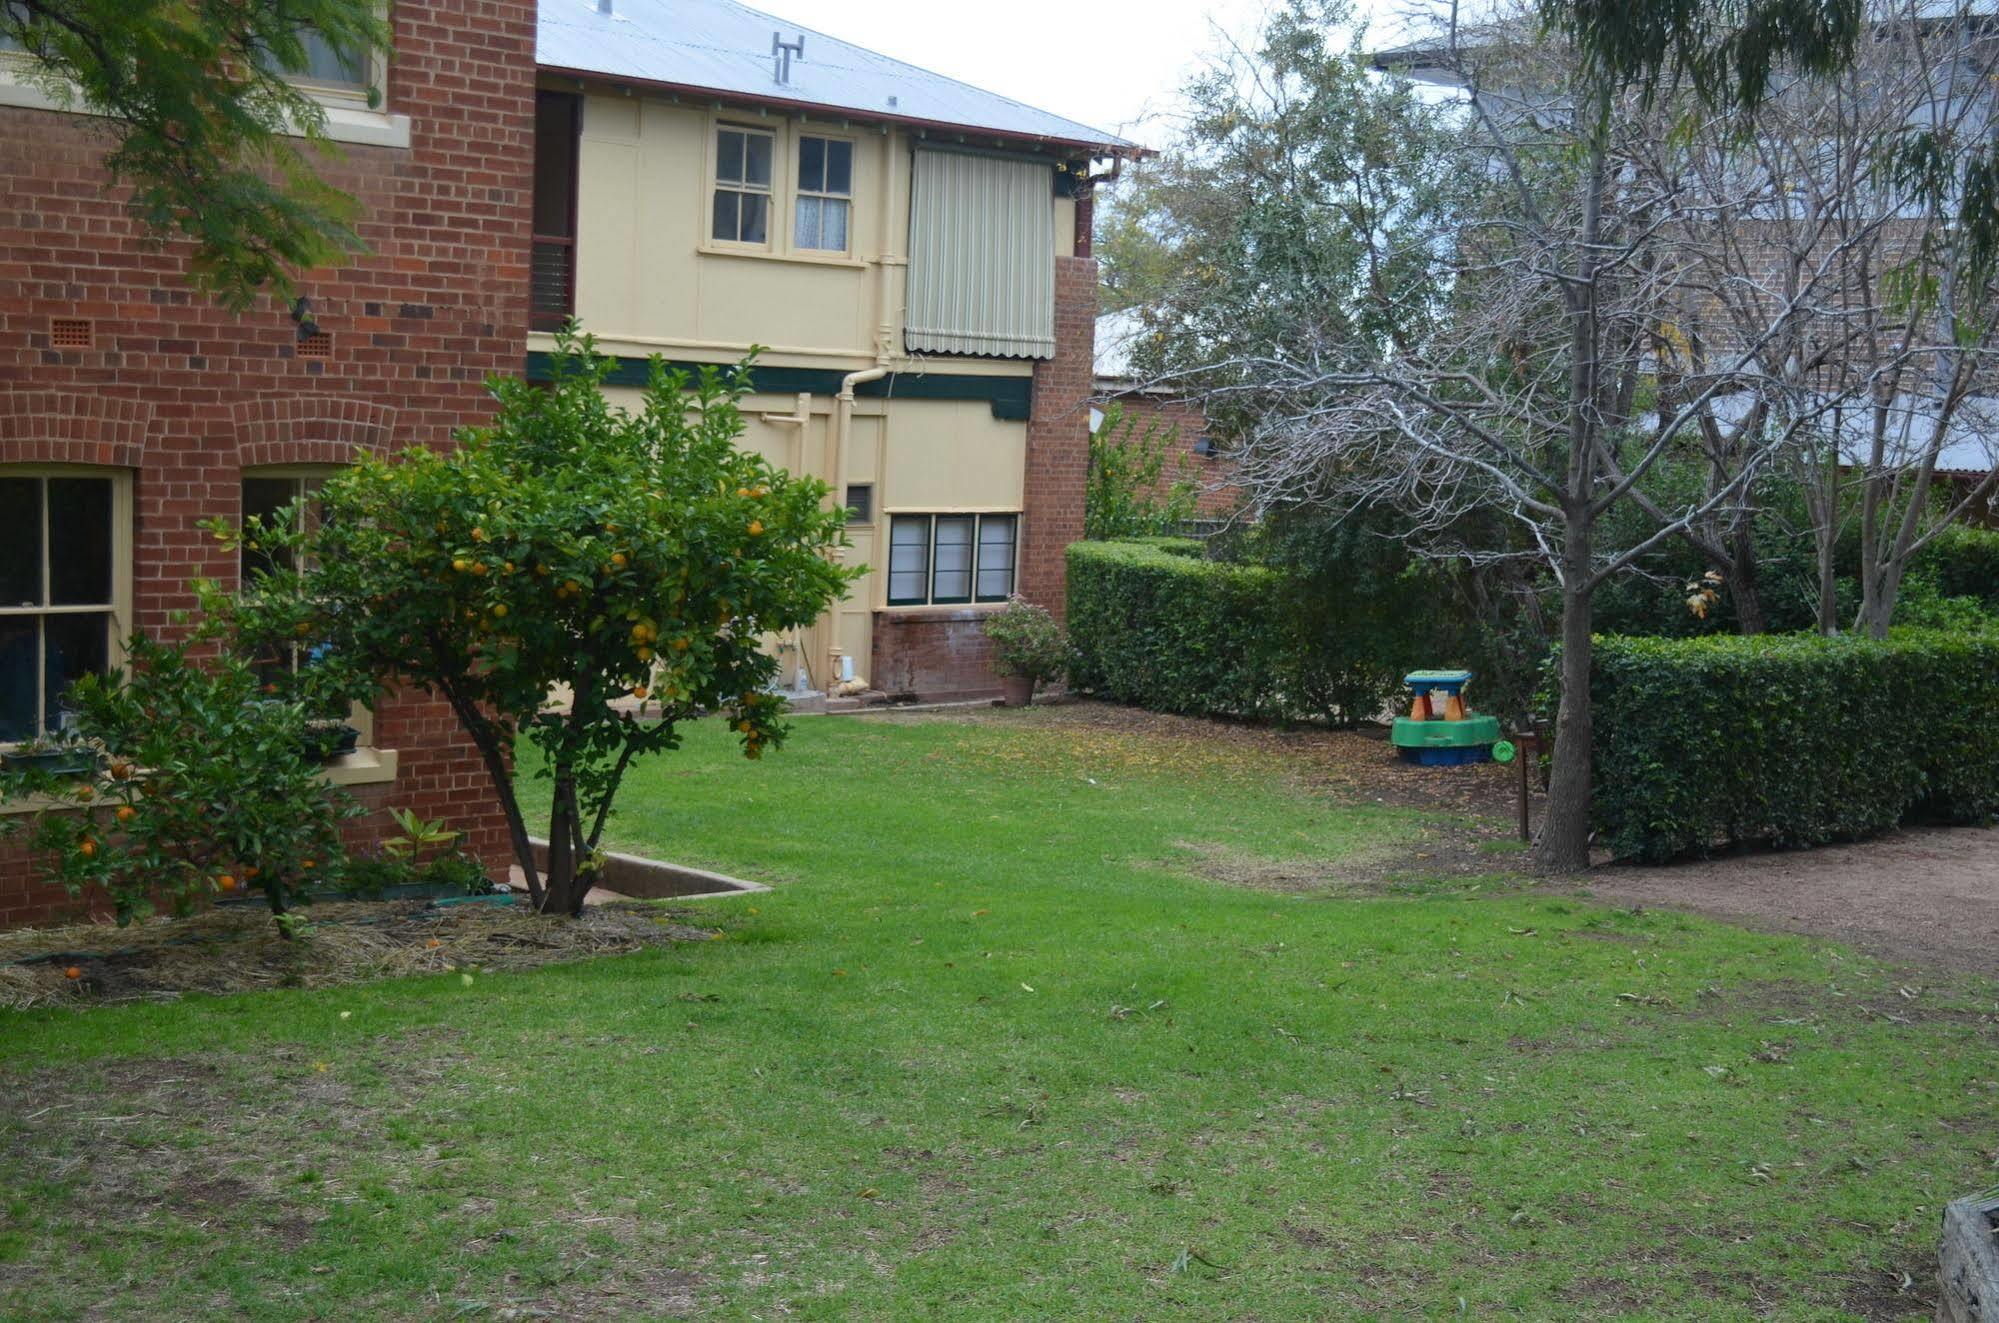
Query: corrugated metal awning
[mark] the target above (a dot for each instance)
(981, 256)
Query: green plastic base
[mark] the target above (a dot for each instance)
(1409, 734)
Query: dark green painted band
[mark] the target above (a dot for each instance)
(1011, 398)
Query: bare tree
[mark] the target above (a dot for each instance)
(1799, 219)
(1529, 396)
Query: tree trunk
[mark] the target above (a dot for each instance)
(1563, 845)
(563, 895)
(1750, 617)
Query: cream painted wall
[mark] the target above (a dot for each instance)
(650, 281)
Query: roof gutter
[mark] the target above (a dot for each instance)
(1126, 150)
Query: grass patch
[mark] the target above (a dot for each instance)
(995, 1049)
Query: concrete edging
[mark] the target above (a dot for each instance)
(638, 878)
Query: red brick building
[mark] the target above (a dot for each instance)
(132, 409)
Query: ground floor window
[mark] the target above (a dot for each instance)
(945, 559)
(65, 589)
(267, 494)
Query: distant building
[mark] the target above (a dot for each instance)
(1151, 406)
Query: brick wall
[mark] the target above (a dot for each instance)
(1184, 421)
(184, 395)
(934, 655)
(1058, 438)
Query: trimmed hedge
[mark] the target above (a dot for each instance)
(1155, 625)
(1790, 740)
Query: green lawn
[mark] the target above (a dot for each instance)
(995, 1049)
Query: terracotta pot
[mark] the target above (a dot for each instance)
(1018, 690)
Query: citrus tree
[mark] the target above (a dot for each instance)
(180, 779)
(586, 575)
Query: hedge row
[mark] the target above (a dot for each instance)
(1790, 740)
(1155, 625)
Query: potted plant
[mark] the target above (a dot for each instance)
(1028, 648)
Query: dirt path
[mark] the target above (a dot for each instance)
(1928, 896)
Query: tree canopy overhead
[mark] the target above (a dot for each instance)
(206, 129)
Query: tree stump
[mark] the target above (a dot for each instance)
(1968, 1261)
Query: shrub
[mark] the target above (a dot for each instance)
(1790, 740)
(574, 546)
(1153, 625)
(1127, 493)
(195, 785)
(1027, 642)
(1965, 562)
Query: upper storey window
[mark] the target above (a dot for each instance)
(743, 185)
(971, 215)
(825, 193)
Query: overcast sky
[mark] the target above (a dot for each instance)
(1107, 63)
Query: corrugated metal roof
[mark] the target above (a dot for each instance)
(722, 47)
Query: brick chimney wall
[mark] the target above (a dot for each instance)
(1058, 439)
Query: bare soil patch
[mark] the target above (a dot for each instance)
(1928, 895)
(237, 948)
(1355, 764)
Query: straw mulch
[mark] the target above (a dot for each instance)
(237, 948)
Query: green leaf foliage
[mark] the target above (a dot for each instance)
(193, 784)
(571, 561)
(204, 127)
(1129, 493)
(1790, 740)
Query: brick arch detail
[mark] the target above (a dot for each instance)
(309, 429)
(68, 427)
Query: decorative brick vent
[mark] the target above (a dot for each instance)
(1968, 1262)
(317, 345)
(69, 333)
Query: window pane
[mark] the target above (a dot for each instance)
(756, 158)
(327, 63)
(860, 503)
(839, 166)
(728, 207)
(262, 499)
(812, 164)
(996, 546)
(79, 541)
(19, 657)
(951, 581)
(805, 228)
(20, 541)
(756, 213)
(77, 646)
(729, 156)
(909, 560)
(833, 226)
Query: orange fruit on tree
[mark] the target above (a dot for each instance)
(87, 849)
(620, 559)
(461, 564)
(126, 813)
(85, 792)
(499, 608)
(756, 528)
(226, 882)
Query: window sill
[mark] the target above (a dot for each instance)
(712, 249)
(347, 121)
(362, 767)
(916, 612)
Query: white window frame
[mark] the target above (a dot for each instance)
(120, 605)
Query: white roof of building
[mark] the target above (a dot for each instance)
(724, 48)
